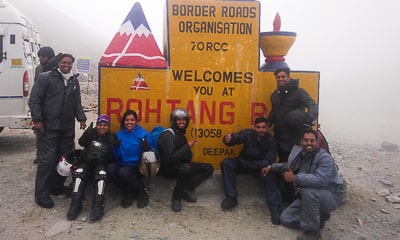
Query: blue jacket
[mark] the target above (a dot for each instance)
(129, 151)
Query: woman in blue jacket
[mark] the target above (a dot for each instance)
(125, 171)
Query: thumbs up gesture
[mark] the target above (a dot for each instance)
(228, 136)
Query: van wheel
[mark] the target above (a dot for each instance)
(1, 129)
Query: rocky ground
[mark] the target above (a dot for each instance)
(372, 209)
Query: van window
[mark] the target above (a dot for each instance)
(12, 38)
(28, 51)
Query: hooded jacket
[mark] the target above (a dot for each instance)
(320, 174)
(91, 134)
(173, 148)
(284, 100)
(129, 151)
(54, 104)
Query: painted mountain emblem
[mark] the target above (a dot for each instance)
(134, 44)
(139, 83)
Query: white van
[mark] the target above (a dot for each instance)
(19, 44)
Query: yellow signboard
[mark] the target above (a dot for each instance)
(213, 52)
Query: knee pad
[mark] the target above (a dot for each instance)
(100, 175)
(100, 179)
(79, 173)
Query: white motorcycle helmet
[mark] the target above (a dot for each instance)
(67, 161)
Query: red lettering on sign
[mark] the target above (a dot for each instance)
(156, 110)
(202, 112)
(223, 112)
(114, 107)
(258, 109)
(136, 105)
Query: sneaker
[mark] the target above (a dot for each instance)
(309, 235)
(176, 205)
(74, 209)
(324, 217)
(127, 200)
(276, 218)
(188, 196)
(143, 200)
(229, 203)
(45, 202)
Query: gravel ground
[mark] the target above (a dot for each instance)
(365, 215)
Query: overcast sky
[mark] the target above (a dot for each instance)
(353, 43)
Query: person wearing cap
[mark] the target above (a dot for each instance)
(55, 104)
(47, 61)
(288, 117)
(176, 160)
(96, 155)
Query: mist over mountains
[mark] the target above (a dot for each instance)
(63, 33)
(358, 85)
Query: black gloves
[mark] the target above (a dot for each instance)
(144, 144)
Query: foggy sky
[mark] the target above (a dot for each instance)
(353, 43)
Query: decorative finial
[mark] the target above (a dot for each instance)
(277, 23)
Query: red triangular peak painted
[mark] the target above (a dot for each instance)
(134, 44)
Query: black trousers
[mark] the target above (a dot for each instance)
(189, 176)
(51, 145)
(127, 177)
(287, 189)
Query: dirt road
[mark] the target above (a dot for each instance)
(365, 215)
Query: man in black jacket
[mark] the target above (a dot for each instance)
(176, 160)
(55, 103)
(259, 151)
(289, 118)
(48, 61)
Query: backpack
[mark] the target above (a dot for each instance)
(156, 132)
(323, 143)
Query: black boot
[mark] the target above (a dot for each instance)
(176, 204)
(74, 209)
(127, 199)
(143, 199)
(97, 208)
(188, 196)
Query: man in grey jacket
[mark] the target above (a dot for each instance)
(319, 189)
(55, 102)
